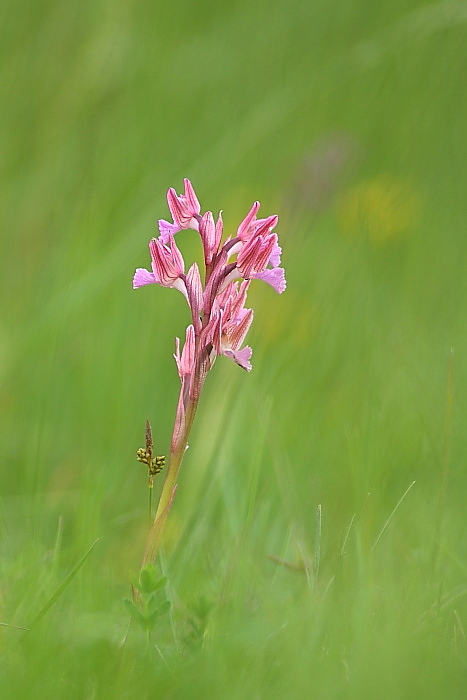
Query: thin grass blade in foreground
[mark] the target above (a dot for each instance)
(62, 587)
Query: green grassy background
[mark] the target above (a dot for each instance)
(347, 118)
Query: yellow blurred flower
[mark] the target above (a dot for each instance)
(294, 316)
(381, 209)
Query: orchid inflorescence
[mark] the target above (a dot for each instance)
(216, 299)
(220, 320)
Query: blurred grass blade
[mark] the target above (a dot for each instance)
(347, 535)
(56, 595)
(317, 556)
(384, 528)
(15, 627)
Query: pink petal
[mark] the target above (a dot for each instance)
(241, 357)
(275, 277)
(186, 361)
(167, 261)
(219, 229)
(266, 225)
(194, 290)
(207, 230)
(142, 277)
(167, 230)
(245, 229)
(192, 202)
(239, 327)
(177, 208)
(188, 352)
(275, 259)
(255, 254)
(211, 333)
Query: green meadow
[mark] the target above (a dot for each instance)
(316, 548)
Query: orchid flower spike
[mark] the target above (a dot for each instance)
(219, 321)
(216, 296)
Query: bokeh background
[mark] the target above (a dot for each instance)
(320, 516)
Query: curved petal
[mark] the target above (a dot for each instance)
(255, 254)
(192, 202)
(247, 226)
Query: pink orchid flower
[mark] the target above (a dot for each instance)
(216, 299)
(185, 209)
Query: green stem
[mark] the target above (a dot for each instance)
(170, 485)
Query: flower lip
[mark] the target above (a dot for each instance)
(142, 277)
(274, 277)
(241, 357)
